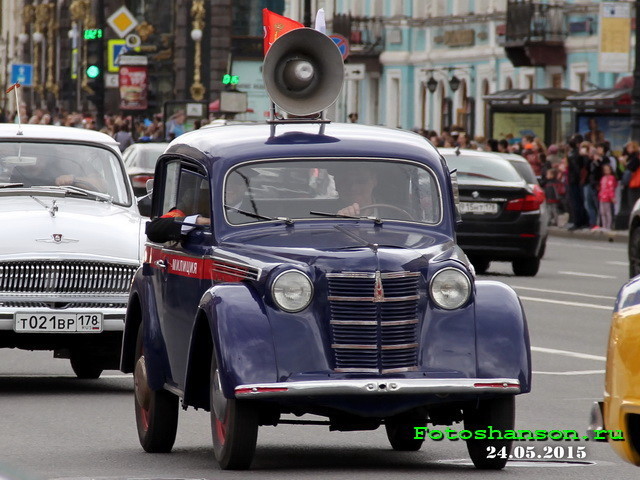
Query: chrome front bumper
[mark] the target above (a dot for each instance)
(399, 386)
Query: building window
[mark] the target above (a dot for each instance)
(247, 16)
(582, 81)
(556, 80)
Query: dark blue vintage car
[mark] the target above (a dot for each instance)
(321, 276)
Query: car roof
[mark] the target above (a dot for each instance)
(241, 142)
(9, 131)
(511, 156)
(468, 152)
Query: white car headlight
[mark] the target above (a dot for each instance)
(450, 288)
(292, 291)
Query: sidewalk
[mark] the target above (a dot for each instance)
(617, 236)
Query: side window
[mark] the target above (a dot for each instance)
(186, 189)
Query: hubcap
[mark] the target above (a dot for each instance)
(141, 386)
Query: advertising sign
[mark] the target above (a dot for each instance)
(133, 81)
(512, 126)
(615, 37)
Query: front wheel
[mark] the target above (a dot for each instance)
(526, 267)
(234, 426)
(156, 411)
(490, 419)
(401, 434)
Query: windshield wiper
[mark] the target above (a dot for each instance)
(286, 220)
(11, 185)
(376, 220)
(82, 191)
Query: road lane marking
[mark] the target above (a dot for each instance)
(585, 245)
(571, 372)
(577, 294)
(622, 264)
(568, 353)
(569, 304)
(583, 274)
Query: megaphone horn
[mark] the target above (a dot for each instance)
(303, 72)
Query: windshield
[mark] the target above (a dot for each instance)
(148, 155)
(321, 188)
(478, 169)
(54, 164)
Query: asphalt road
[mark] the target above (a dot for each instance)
(54, 426)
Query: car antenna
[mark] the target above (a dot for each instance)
(15, 88)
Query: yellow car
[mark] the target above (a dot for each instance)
(617, 419)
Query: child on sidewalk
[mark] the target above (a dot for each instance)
(607, 196)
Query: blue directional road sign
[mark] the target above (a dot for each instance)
(22, 74)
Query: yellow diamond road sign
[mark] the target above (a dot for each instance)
(122, 21)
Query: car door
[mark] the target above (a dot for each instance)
(179, 277)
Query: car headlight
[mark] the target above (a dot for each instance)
(292, 291)
(450, 288)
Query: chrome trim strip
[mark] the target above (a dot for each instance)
(354, 346)
(399, 346)
(65, 297)
(399, 370)
(175, 390)
(393, 323)
(257, 271)
(373, 299)
(378, 386)
(372, 275)
(358, 323)
(356, 370)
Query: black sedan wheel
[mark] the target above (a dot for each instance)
(480, 264)
(85, 366)
(401, 434)
(526, 267)
(498, 413)
(156, 411)
(634, 252)
(234, 426)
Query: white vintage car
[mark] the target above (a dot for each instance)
(70, 243)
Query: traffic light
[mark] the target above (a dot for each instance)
(95, 67)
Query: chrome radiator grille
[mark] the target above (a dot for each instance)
(374, 321)
(68, 277)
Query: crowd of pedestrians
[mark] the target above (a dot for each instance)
(125, 129)
(585, 183)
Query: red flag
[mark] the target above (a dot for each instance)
(275, 26)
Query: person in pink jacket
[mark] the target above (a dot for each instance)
(607, 196)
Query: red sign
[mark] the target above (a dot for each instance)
(133, 87)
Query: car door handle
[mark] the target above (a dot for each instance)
(160, 263)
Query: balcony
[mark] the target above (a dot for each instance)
(365, 34)
(535, 34)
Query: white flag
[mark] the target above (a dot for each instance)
(321, 25)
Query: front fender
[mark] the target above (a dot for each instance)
(242, 336)
(502, 335)
(141, 310)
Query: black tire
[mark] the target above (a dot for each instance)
(84, 366)
(498, 413)
(401, 433)
(234, 426)
(543, 249)
(526, 267)
(480, 264)
(634, 252)
(156, 411)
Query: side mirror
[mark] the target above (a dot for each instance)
(149, 186)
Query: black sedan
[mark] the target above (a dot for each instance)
(634, 241)
(502, 217)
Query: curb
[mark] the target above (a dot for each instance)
(617, 236)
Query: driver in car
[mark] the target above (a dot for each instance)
(355, 186)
